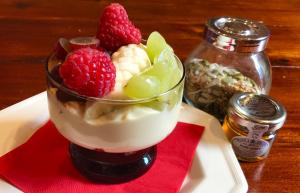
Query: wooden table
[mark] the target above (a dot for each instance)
(29, 29)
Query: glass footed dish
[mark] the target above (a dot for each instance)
(112, 140)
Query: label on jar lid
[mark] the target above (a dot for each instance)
(258, 106)
(252, 145)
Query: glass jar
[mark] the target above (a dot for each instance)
(231, 59)
(252, 123)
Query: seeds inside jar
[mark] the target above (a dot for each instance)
(209, 86)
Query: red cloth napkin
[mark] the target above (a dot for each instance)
(42, 164)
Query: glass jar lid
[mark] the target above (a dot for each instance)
(257, 108)
(235, 34)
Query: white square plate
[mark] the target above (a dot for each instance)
(215, 168)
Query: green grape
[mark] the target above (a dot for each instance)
(152, 71)
(175, 96)
(161, 69)
(168, 82)
(169, 73)
(166, 58)
(142, 86)
(169, 48)
(163, 75)
(166, 70)
(155, 45)
(176, 76)
(168, 100)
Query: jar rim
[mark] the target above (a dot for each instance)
(265, 110)
(236, 34)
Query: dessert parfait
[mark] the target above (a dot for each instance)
(114, 97)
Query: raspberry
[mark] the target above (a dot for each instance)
(89, 72)
(115, 29)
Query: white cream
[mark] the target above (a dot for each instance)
(129, 60)
(122, 129)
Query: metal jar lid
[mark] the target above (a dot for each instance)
(256, 108)
(235, 34)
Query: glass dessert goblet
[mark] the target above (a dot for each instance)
(112, 141)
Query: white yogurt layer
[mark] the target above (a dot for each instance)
(115, 129)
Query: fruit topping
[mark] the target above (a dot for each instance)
(155, 45)
(133, 71)
(62, 48)
(163, 75)
(142, 86)
(129, 61)
(165, 67)
(115, 28)
(84, 42)
(89, 72)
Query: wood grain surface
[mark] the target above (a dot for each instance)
(30, 28)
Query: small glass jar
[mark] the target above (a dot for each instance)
(231, 59)
(252, 123)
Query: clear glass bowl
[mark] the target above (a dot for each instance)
(114, 126)
(111, 141)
